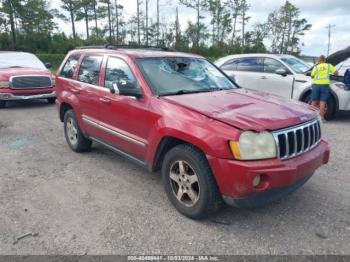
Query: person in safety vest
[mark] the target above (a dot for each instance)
(320, 88)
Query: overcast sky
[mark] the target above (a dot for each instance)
(319, 13)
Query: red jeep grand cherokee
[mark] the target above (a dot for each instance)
(22, 77)
(178, 113)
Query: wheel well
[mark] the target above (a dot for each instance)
(304, 95)
(332, 95)
(164, 146)
(64, 108)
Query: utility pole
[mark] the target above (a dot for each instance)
(329, 27)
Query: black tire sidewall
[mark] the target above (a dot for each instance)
(200, 208)
(330, 109)
(2, 104)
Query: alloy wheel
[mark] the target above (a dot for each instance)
(184, 183)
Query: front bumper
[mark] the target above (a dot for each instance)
(16, 97)
(278, 177)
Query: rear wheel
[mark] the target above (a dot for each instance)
(189, 182)
(75, 138)
(2, 104)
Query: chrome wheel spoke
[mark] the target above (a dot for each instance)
(72, 131)
(184, 183)
(179, 194)
(181, 167)
(192, 179)
(174, 177)
(192, 195)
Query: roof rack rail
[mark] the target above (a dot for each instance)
(114, 47)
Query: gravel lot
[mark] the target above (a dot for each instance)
(100, 203)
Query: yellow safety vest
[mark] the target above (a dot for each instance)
(321, 73)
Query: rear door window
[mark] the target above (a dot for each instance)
(69, 67)
(250, 64)
(90, 69)
(231, 65)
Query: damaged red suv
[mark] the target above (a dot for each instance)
(24, 77)
(177, 113)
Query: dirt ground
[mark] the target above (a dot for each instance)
(100, 203)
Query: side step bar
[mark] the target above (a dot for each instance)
(122, 153)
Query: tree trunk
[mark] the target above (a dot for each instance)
(243, 28)
(72, 20)
(234, 28)
(198, 24)
(95, 18)
(146, 22)
(157, 22)
(12, 23)
(138, 22)
(109, 21)
(117, 19)
(87, 23)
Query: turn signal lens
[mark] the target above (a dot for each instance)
(235, 149)
(4, 84)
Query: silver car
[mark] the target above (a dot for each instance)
(286, 76)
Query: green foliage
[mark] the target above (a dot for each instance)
(54, 59)
(28, 25)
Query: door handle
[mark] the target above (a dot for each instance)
(263, 77)
(105, 100)
(75, 91)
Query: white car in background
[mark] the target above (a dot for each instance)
(283, 75)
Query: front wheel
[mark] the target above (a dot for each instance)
(189, 182)
(75, 138)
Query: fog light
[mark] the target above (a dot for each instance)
(256, 181)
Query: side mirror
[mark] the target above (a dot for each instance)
(125, 88)
(48, 65)
(281, 71)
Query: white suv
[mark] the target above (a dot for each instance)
(282, 75)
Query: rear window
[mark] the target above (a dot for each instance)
(69, 67)
(90, 69)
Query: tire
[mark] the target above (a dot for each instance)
(2, 104)
(331, 110)
(51, 100)
(75, 138)
(331, 106)
(200, 196)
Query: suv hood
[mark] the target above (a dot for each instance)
(6, 73)
(247, 109)
(339, 56)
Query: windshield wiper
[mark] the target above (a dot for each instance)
(184, 91)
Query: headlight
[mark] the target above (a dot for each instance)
(53, 82)
(254, 146)
(4, 84)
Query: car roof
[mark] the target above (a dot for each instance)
(223, 60)
(135, 53)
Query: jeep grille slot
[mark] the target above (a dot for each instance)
(297, 140)
(30, 82)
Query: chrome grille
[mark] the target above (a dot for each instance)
(297, 140)
(30, 82)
